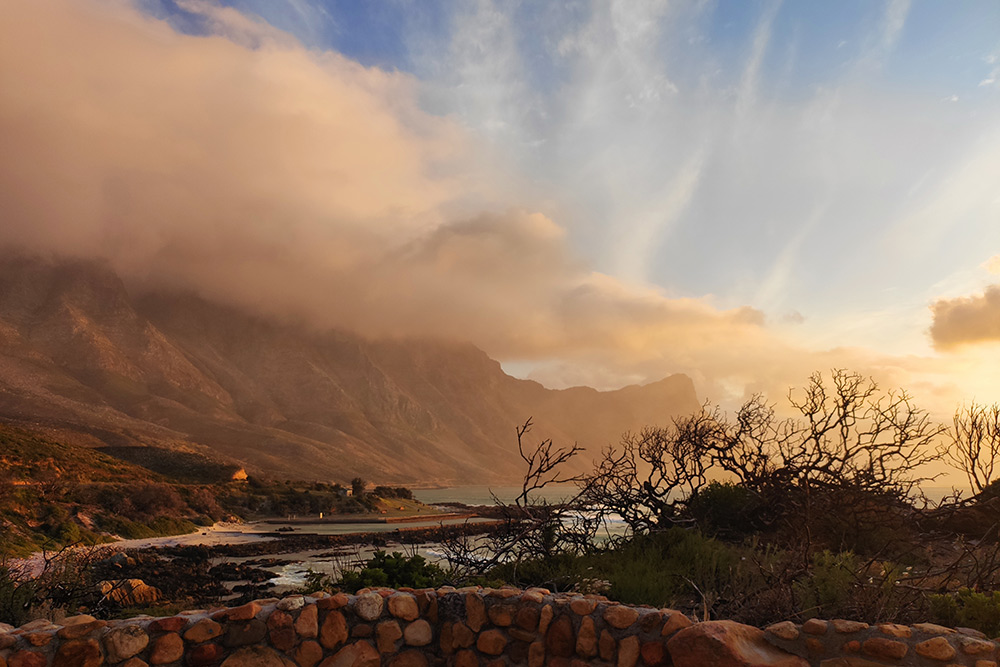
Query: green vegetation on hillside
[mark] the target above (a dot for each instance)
(54, 495)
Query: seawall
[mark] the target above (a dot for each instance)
(473, 627)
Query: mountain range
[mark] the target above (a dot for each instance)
(94, 362)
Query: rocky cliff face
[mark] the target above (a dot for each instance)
(83, 358)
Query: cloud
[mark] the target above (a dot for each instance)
(992, 264)
(964, 320)
(896, 12)
(296, 182)
(244, 167)
(991, 78)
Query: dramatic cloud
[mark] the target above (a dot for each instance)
(973, 319)
(246, 168)
(530, 212)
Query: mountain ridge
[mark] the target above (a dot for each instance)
(84, 358)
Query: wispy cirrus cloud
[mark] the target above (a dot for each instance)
(606, 192)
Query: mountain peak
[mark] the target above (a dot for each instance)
(80, 355)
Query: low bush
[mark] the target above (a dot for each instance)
(726, 509)
(968, 608)
(394, 571)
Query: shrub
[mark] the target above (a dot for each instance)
(968, 608)
(394, 571)
(826, 588)
(726, 509)
(17, 598)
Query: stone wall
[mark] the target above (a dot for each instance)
(472, 627)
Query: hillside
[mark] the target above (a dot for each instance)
(85, 360)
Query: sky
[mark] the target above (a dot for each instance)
(594, 192)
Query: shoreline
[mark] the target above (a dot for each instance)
(364, 518)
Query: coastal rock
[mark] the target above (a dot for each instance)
(124, 642)
(256, 656)
(76, 627)
(292, 603)
(418, 633)
(411, 658)
(502, 614)
(607, 646)
(620, 616)
(368, 606)
(308, 653)
(527, 618)
(243, 612)
(727, 644)
(466, 658)
(614, 634)
(168, 624)
(27, 659)
(933, 629)
(653, 654)
(847, 627)
(937, 648)
(387, 633)
(202, 631)
(884, 649)
(79, 653)
(894, 630)
(674, 622)
(475, 611)
(244, 634)
(462, 635)
(975, 646)
(784, 630)
(544, 618)
(404, 606)
(815, 626)
(306, 625)
(491, 642)
(628, 651)
(129, 592)
(334, 630)
(37, 624)
(559, 640)
(536, 654)
(205, 655)
(359, 654)
(279, 619)
(168, 648)
(586, 638)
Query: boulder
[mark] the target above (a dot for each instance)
(129, 592)
(727, 644)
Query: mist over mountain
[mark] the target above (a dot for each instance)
(86, 358)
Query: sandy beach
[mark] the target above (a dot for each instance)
(221, 532)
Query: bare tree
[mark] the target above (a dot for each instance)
(853, 448)
(751, 447)
(531, 526)
(974, 446)
(853, 434)
(651, 475)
